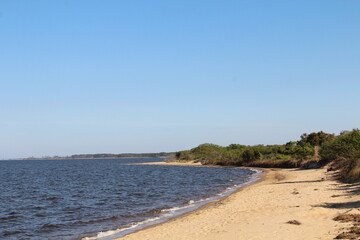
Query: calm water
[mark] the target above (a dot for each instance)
(73, 199)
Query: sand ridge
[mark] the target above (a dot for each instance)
(262, 211)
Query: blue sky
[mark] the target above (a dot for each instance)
(150, 76)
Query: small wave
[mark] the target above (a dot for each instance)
(38, 208)
(8, 218)
(112, 218)
(40, 215)
(9, 233)
(138, 194)
(126, 230)
(152, 212)
(51, 198)
(48, 228)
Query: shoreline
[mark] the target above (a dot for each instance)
(181, 211)
(170, 163)
(60, 158)
(261, 177)
(262, 209)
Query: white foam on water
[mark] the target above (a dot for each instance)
(169, 213)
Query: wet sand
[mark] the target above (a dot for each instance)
(262, 210)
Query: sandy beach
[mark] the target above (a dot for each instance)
(262, 211)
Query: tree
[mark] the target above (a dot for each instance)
(250, 155)
(235, 146)
(315, 139)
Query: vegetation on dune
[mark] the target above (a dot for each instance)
(287, 155)
(344, 154)
(312, 150)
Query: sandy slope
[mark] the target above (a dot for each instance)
(261, 211)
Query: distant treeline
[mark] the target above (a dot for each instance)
(110, 155)
(312, 150)
(122, 155)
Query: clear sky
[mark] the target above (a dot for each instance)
(149, 76)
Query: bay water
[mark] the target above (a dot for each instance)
(103, 198)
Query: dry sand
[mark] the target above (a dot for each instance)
(262, 210)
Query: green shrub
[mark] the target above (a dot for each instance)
(344, 152)
(250, 154)
(346, 145)
(208, 153)
(183, 155)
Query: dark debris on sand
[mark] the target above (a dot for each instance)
(295, 222)
(354, 231)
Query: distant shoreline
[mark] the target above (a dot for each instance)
(72, 158)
